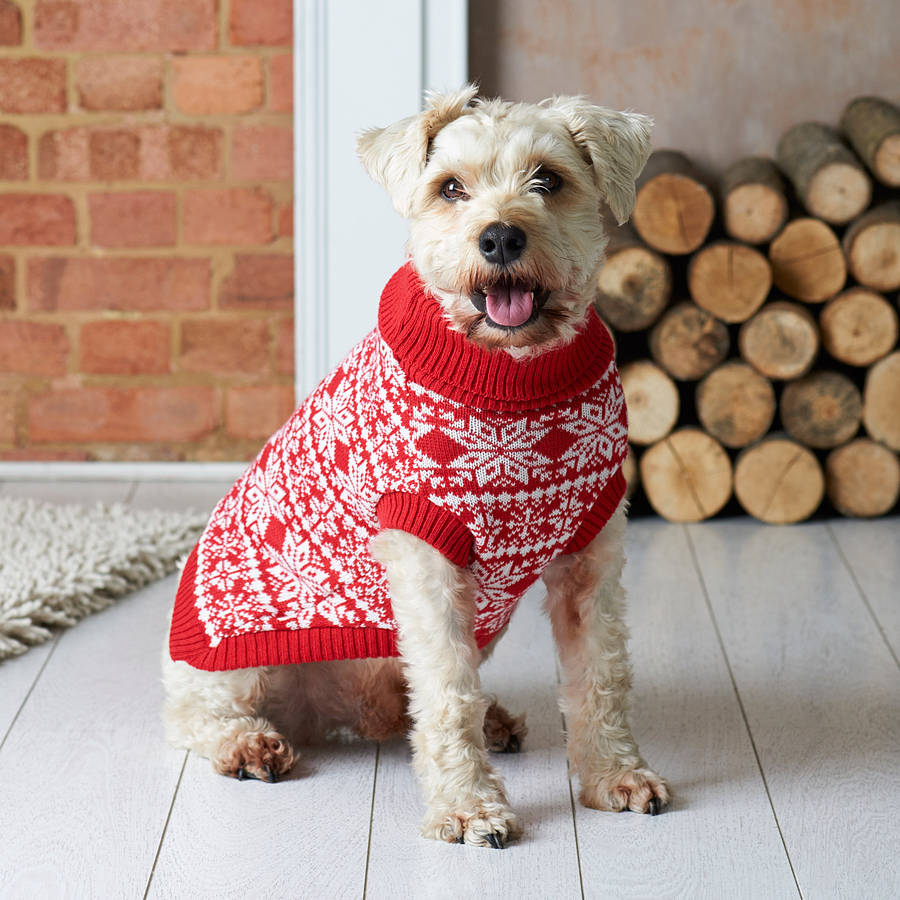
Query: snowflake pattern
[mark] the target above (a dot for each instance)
(287, 548)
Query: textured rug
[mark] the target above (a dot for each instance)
(60, 563)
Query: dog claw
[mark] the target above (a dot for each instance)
(242, 775)
(654, 806)
(512, 745)
(271, 775)
(494, 840)
(460, 840)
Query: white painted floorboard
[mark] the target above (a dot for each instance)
(92, 801)
(719, 838)
(822, 696)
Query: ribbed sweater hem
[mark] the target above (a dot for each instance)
(265, 648)
(418, 516)
(599, 514)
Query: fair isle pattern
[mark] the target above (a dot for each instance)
(286, 551)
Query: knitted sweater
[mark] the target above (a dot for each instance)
(501, 464)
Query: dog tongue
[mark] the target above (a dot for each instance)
(509, 305)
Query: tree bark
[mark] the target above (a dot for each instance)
(872, 125)
(687, 476)
(729, 280)
(807, 261)
(829, 179)
(674, 210)
(754, 205)
(781, 341)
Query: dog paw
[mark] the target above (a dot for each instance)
(503, 733)
(263, 756)
(481, 825)
(638, 789)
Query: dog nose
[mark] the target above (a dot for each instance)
(501, 244)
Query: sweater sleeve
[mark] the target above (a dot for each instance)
(599, 513)
(417, 515)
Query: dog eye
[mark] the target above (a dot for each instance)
(451, 189)
(545, 182)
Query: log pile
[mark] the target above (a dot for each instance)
(756, 325)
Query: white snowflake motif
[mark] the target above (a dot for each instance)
(495, 450)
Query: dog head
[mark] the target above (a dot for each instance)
(504, 201)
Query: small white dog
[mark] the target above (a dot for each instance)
(470, 444)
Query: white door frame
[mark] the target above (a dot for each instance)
(357, 63)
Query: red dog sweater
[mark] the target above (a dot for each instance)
(501, 464)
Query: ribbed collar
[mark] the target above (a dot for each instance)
(444, 361)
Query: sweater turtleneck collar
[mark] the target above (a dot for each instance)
(442, 360)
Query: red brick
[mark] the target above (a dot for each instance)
(268, 22)
(7, 418)
(115, 154)
(7, 282)
(203, 85)
(260, 282)
(133, 219)
(13, 154)
(33, 348)
(258, 411)
(142, 414)
(126, 25)
(10, 24)
(281, 83)
(284, 347)
(163, 152)
(32, 85)
(225, 347)
(235, 216)
(286, 220)
(37, 219)
(263, 152)
(125, 348)
(58, 283)
(120, 82)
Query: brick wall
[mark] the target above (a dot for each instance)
(146, 286)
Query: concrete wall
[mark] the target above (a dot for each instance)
(722, 78)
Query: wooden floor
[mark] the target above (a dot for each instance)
(767, 689)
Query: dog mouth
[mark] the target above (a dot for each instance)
(509, 304)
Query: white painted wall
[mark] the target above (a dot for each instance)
(357, 64)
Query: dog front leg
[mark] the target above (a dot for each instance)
(586, 601)
(433, 603)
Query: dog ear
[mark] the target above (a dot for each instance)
(616, 144)
(395, 156)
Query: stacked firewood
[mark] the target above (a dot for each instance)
(758, 347)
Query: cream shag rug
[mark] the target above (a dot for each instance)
(60, 563)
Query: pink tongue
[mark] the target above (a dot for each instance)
(510, 306)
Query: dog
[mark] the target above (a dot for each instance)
(367, 562)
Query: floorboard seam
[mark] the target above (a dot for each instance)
(162, 837)
(861, 592)
(371, 818)
(37, 678)
(740, 703)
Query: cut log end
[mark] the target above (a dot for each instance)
(781, 341)
(687, 476)
(863, 478)
(838, 192)
(688, 342)
(729, 280)
(886, 163)
(779, 481)
(754, 213)
(630, 471)
(872, 247)
(634, 287)
(673, 213)
(859, 327)
(881, 401)
(652, 401)
(821, 410)
(807, 261)
(735, 404)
